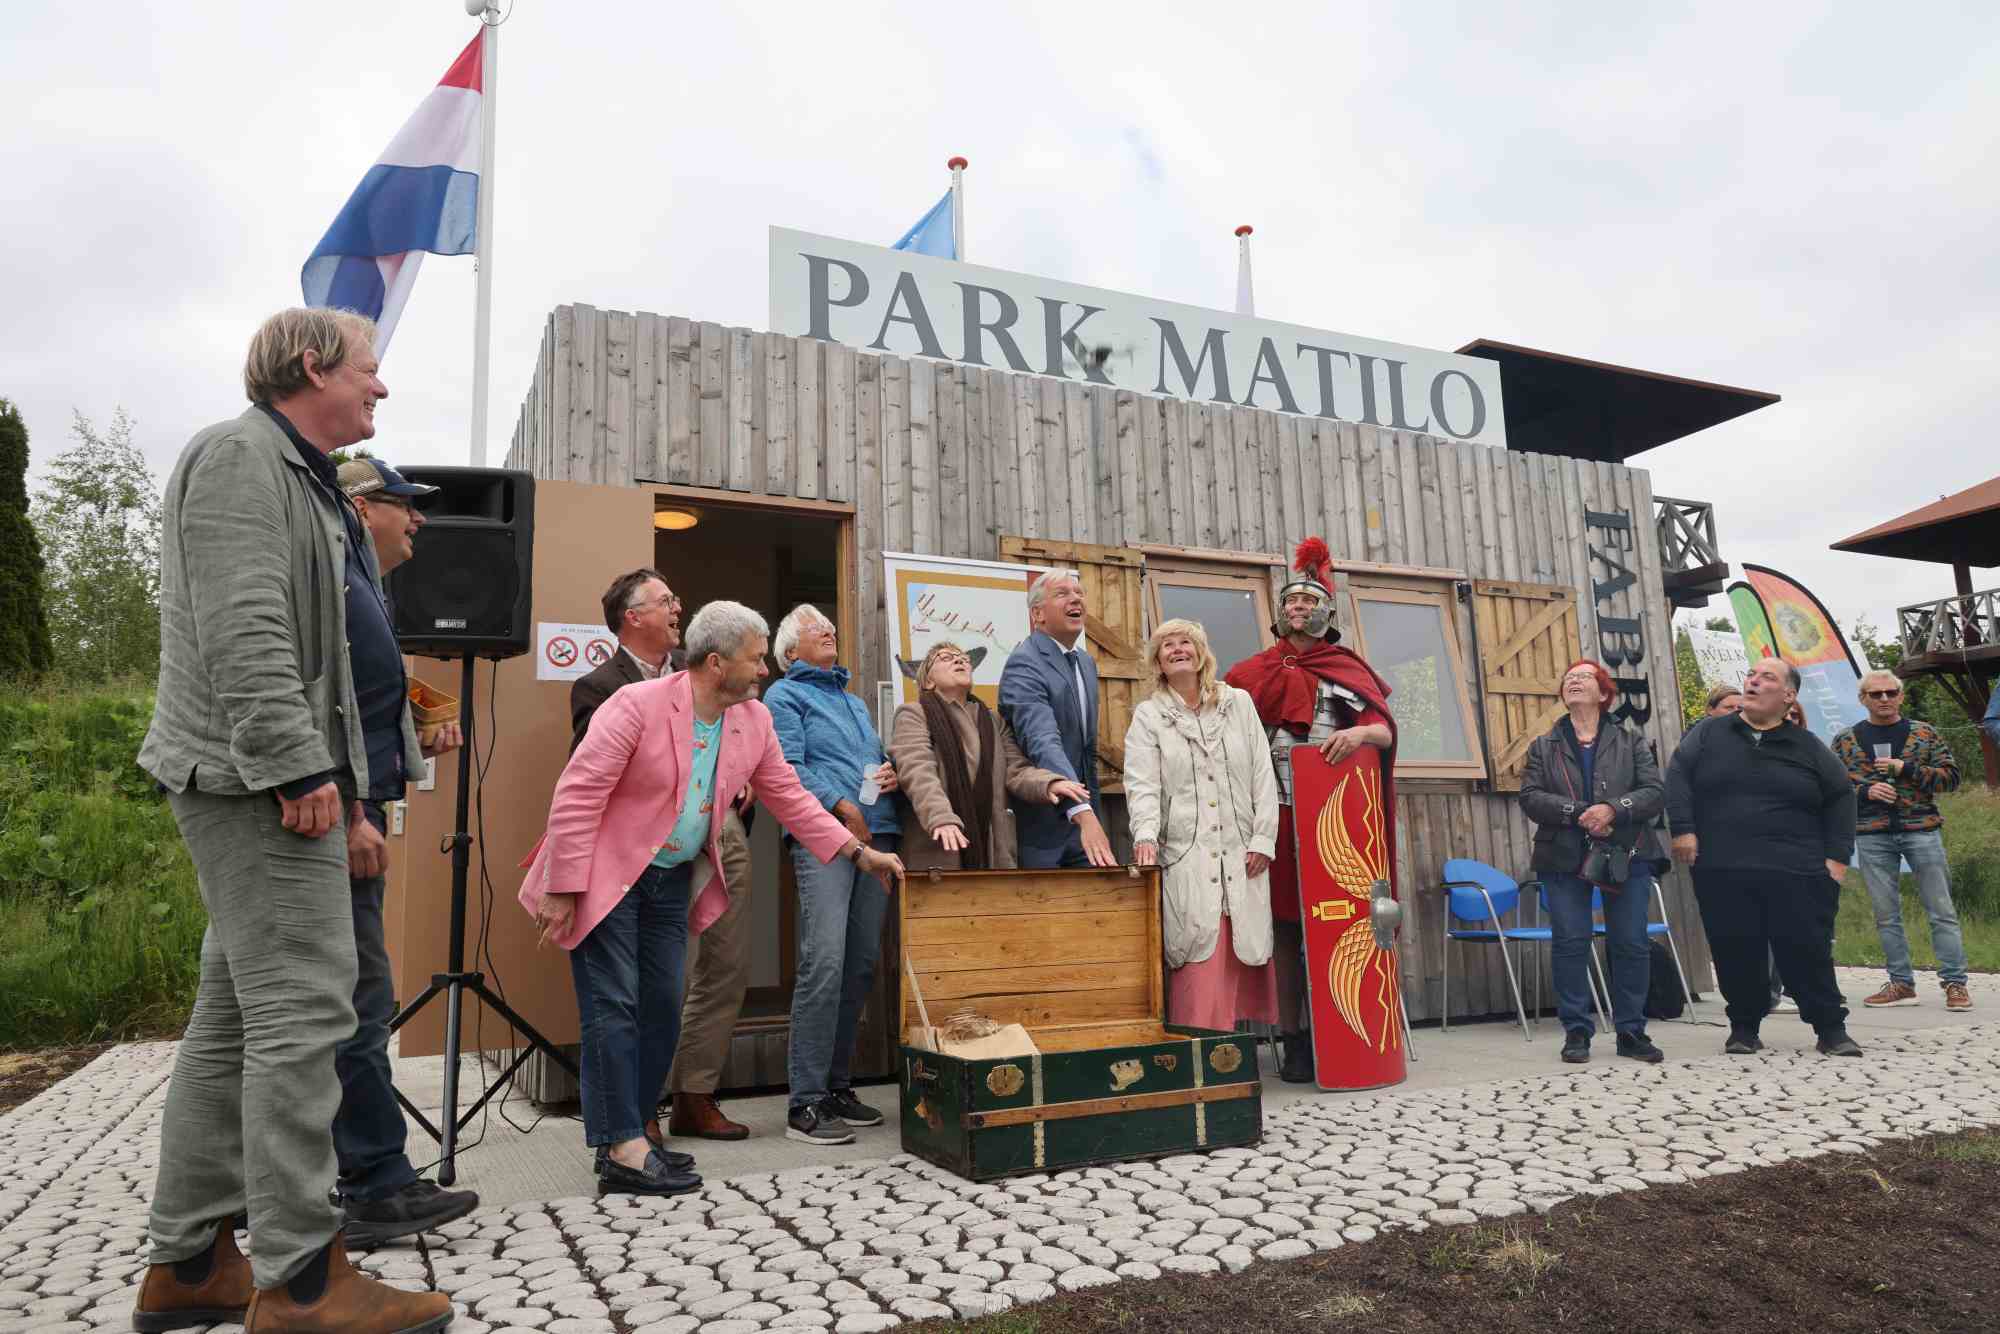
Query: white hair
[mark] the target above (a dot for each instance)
(789, 630)
(1878, 674)
(720, 628)
(1038, 591)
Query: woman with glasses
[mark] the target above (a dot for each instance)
(957, 763)
(1593, 790)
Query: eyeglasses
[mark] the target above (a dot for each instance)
(1883, 694)
(958, 659)
(668, 601)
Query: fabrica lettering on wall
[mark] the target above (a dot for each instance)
(915, 305)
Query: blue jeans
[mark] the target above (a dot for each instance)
(1880, 868)
(1625, 939)
(628, 997)
(840, 940)
(369, 1130)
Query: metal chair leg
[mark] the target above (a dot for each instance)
(1444, 995)
(1687, 992)
(1601, 999)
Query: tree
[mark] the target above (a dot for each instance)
(24, 623)
(99, 520)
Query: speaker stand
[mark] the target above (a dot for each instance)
(454, 983)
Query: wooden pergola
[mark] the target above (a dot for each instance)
(1955, 639)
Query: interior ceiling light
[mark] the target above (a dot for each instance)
(674, 521)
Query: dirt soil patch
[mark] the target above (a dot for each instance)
(1899, 1239)
(23, 1074)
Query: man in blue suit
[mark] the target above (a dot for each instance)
(1048, 695)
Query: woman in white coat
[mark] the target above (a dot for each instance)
(1203, 801)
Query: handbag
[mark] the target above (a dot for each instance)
(1606, 864)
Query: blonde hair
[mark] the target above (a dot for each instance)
(924, 667)
(1205, 678)
(1861, 686)
(275, 367)
(1720, 691)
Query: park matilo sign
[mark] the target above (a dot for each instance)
(907, 304)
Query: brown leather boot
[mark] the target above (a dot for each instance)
(699, 1115)
(329, 1296)
(212, 1288)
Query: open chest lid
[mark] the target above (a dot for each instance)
(1051, 950)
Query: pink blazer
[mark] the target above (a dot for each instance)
(621, 792)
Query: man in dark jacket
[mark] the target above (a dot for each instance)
(1765, 815)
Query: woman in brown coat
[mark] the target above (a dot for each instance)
(956, 762)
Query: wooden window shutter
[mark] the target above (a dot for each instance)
(1113, 628)
(1527, 637)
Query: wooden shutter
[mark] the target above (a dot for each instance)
(1527, 637)
(1114, 629)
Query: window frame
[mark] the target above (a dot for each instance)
(1198, 568)
(1430, 590)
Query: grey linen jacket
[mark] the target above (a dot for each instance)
(255, 687)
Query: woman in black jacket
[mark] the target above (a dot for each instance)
(1593, 790)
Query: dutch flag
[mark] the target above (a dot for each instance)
(421, 195)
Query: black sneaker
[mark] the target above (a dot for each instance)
(1743, 1042)
(812, 1124)
(656, 1178)
(1640, 1048)
(421, 1206)
(1576, 1047)
(1837, 1043)
(842, 1105)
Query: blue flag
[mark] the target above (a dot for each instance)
(932, 234)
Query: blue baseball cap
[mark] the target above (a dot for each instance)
(370, 477)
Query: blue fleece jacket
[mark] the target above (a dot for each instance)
(828, 739)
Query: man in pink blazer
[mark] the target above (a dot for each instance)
(629, 866)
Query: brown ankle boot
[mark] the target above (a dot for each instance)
(699, 1115)
(173, 1297)
(345, 1302)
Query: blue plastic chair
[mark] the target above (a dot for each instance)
(1477, 894)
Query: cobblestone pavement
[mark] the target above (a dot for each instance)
(858, 1246)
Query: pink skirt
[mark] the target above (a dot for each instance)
(1222, 989)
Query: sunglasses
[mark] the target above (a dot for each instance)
(1883, 694)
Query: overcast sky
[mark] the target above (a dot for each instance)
(1792, 198)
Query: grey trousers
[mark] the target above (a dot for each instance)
(720, 976)
(249, 1117)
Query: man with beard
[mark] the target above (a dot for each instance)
(1309, 690)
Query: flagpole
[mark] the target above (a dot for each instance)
(1246, 301)
(488, 14)
(958, 166)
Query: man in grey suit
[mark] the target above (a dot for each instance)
(280, 694)
(1048, 694)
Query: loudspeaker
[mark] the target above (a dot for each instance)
(469, 588)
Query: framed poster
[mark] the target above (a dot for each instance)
(979, 605)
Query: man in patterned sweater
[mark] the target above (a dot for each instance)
(1898, 766)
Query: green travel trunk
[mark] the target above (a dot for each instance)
(1074, 957)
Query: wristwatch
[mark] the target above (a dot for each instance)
(855, 856)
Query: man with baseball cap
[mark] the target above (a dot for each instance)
(380, 1190)
(389, 504)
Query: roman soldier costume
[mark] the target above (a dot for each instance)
(1304, 696)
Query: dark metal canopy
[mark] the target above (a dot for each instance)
(1593, 410)
(1961, 529)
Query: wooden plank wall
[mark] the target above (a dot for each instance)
(943, 459)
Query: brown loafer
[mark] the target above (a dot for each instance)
(700, 1116)
(172, 1297)
(346, 1302)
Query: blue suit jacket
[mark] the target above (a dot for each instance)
(1038, 700)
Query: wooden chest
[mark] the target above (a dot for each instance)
(1074, 957)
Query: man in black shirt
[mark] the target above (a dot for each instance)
(1765, 815)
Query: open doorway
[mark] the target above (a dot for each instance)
(770, 555)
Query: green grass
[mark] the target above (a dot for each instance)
(100, 920)
(1972, 846)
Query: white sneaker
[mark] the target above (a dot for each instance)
(1784, 1005)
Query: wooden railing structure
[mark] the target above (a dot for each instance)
(1956, 641)
(1692, 566)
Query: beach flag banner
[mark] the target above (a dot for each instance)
(1779, 618)
(421, 196)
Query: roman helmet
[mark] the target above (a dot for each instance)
(1314, 564)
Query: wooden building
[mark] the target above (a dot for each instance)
(1471, 577)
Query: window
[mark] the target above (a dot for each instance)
(1408, 631)
(1231, 602)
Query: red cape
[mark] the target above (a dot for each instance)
(1283, 683)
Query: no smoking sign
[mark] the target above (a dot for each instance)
(566, 650)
